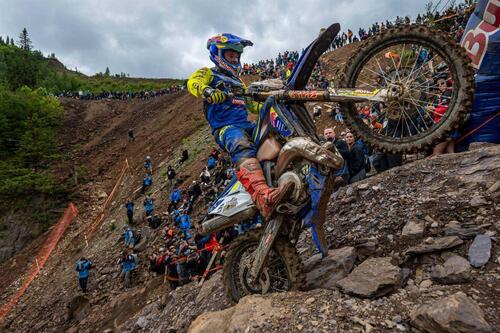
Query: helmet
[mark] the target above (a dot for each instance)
(220, 43)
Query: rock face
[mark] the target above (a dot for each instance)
(373, 278)
(78, 308)
(251, 310)
(437, 244)
(480, 250)
(413, 229)
(455, 314)
(325, 272)
(455, 270)
(209, 287)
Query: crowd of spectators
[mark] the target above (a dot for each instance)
(121, 95)
(182, 255)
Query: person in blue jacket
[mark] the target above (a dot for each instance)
(185, 225)
(175, 198)
(130, 211)
(148, 164)
(128, 237)
(127, 262)
(149, 206)
(146, 183)
(83, 267)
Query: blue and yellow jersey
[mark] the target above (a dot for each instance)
(232, 111)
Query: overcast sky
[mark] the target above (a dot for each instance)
(167, 38)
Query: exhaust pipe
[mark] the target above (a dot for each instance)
(308, 149)
(221, 222)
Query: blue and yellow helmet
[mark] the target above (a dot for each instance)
(220, 43)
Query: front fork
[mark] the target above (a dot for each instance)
(320, 190)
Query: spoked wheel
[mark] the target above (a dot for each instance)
(283, 270)
(429, 84)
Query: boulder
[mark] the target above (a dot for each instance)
(209, 287)
(413, 229)
(78, 308)
(454, 314)
(435, 244)
(325, 272)
(454, 270)
(374, 277)
(464, 231)
(251, 311)
(480, 250)
(142, 322)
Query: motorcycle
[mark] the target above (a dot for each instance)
(398, 74)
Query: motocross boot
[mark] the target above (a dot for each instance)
(266, 198)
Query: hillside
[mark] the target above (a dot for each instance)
(366, 219)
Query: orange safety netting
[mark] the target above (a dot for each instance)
(42, 257)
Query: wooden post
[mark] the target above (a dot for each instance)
(212, 260)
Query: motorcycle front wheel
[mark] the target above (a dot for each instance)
(283, 269)
(429, 82)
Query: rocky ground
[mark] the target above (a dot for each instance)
(414, 249)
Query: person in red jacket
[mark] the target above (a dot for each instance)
(438, 110)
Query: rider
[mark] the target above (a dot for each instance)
(227, 117)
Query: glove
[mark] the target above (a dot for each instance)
(213, 96)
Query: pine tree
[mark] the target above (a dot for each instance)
(12, 42)
(1, 41)
(24, 40)
(7, 41)
(107, 73)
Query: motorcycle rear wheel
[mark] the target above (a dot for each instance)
(409, 59)
(283, 270)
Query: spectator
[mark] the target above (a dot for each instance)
(148, 165)
(170, 176)
(438, 109)
(131, 137)
(149, 206)
(194, 192)
(146, 183)
(356, 160)
(205, 174)
(338, 116)
(175, 198)
(185, 225)
(211, 163)
(130, 211)
(83, 267)
(128, 264)
(342, 175)
(185, 156)
(129, 239)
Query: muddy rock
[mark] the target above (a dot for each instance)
(413, 229)
(251, 311)
(375, 277)
(435, 244)
(464, 231)
(454, 270)
(455, 314)
(480, 250)
(209, 287)
(325, 272)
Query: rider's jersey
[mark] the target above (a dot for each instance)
(232, 111)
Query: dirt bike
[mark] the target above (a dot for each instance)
(396, 72)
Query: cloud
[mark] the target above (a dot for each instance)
(159, 38)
